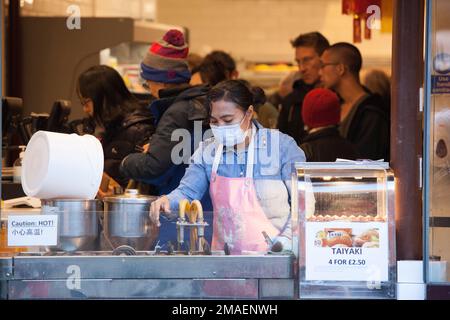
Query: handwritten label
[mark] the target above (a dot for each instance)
(39, 230)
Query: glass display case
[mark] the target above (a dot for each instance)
(436, 156)
(343, 213)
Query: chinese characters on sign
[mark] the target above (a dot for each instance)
(39, 230)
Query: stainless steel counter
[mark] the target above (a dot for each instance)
(5, 274)
(147, 276)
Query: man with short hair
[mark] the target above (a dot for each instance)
(364, 120)
(308, 49)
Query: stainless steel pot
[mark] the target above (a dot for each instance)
(77, 223)
(126, 221)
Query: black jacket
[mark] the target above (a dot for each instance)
(176, 109)
(290, 119)
(326, 145)
(132, 132)
(368, 127)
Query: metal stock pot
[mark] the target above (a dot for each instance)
(126, 221)
(77, 223)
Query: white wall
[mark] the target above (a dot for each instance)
(137, 9)
(256, 30)
(55, 7)
(261, 29)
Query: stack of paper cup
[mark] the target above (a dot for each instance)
(62, 166)
(410, 285)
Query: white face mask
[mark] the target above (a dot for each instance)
(229, 135)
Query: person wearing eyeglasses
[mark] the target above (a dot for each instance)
(364, 118)
(308, 49)
(121, 124)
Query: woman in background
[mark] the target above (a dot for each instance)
(378, 82)
(122, 126)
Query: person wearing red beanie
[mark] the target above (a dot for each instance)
(321, 115)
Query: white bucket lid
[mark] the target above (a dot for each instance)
(60, 165)
(35, 164)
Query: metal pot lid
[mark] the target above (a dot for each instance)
(131, 196)
(51, 201)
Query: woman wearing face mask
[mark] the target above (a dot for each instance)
(247, 169)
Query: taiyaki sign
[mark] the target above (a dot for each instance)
(347, 251)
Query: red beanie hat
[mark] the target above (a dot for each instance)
(321, 108)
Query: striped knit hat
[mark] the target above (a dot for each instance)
(165, 60)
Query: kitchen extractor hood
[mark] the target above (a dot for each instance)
(53, 56)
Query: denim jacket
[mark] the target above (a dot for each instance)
(275, 154)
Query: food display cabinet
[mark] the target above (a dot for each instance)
(343, 213)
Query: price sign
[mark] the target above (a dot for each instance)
(347, 251)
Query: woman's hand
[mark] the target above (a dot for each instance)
(281, 243)
(143, 149)
(161, 204)
(101, 194)
(107, 186)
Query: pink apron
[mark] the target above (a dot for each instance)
(239, 219)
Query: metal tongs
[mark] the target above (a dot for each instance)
(274, 246)
(195, 222)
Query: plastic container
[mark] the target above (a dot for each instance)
(17, 166)
(62, 166)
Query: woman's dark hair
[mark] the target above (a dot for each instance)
(211, 71)
(108, 92)
(223, 57)
(238, 91)
(217, 66)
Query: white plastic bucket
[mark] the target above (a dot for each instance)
(62, 166)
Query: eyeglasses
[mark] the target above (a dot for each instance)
(324, 64)
(84, 101)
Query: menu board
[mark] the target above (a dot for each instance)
(346, 251)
